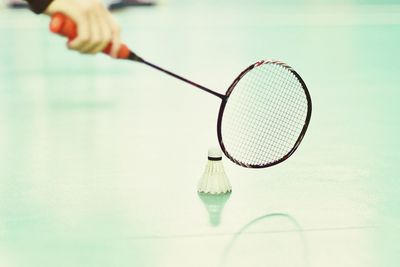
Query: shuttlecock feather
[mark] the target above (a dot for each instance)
(214, 179)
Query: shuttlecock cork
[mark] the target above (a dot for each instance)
(214, 179)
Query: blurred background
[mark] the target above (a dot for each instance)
(100, 158)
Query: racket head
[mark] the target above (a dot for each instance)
(281, 122)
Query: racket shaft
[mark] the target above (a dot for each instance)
(183, 79)
(62, 25)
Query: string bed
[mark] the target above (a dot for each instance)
(264, 115)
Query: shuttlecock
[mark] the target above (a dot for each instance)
(214, 179)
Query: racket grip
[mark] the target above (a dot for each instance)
(62, 25)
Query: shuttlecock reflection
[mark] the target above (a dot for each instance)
(214, 205)
(214, 179)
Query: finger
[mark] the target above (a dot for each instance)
(104, 30)
(115, 36)
(83, 38)
(95, 35)
(116, 41)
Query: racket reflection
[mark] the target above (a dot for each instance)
(277, 238)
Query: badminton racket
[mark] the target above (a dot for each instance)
(263, 115)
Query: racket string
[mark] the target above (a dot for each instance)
(264, 115)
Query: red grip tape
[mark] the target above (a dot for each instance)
(62, 25)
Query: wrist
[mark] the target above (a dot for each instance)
(56, 6)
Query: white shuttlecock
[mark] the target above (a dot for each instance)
(214, 179)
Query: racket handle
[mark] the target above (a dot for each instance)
(65, 26)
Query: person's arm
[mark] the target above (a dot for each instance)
(39, 6)
(96, 27)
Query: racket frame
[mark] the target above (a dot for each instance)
(225, 101)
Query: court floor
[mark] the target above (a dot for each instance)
(100, 159)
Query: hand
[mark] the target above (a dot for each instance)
(96, 27)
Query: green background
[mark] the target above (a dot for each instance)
(99, 158)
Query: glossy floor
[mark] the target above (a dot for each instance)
(100, 158)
